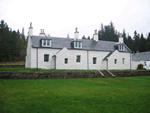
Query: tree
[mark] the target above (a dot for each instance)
(142, 44)
(83, 37)
(88, 37)
(148, 43)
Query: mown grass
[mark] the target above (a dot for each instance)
(14, 69)
(90, 95)
(13, 63)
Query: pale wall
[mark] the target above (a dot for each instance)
(119, 56)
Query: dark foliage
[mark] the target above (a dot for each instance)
(137, 43)
(12, 43)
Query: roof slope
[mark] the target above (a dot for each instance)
(141, 56)
(66, 42)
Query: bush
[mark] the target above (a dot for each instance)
(140, 66)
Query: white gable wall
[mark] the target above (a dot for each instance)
(28, 54)
(100, 55)
(41, 63)
(119, 56)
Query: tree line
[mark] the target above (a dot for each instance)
(136, 43)
(12, 43)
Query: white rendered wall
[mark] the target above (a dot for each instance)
(41, 63)
(71, 55)
(121, 39)
(96, 37)
(100, 55)
(28, 54)
(76, 35)
(119, 56)
(135, 64)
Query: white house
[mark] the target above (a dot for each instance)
(74, 53)
(141, 58)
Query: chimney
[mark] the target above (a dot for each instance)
(76, 34)
(30, 29)
(42, 32)
(95, 35)
(121, 38)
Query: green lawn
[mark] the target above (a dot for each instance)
(14, 69)
(90, 95)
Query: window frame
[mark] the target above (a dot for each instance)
(115, 61)
(77, 44)
(66, 59)
(46, 59)
(94, 60)
(78, 58)
(123, 60)
(46, 43)
(145, 64)
(121, 47)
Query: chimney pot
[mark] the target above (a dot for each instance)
(41, 31)
(96, 31)
(120, 34)
(76, 29)
(30, 24)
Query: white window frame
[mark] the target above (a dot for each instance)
(45, 58)
(46, 43)
(77, 44)
(121, 47)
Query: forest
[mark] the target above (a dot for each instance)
(13, 43)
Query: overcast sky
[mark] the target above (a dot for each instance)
(60, 17)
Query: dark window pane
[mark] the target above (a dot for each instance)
(94, 60)
(66, 60)
(48, 44)
(46, 57)
(78, 58)
(44, 43)
(115, 61)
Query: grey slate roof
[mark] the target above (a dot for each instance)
(66, 42)
(145, 56)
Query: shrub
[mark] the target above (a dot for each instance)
(140, 66)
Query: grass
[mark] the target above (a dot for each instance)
(13, 63)
(14, 69)
(90, 95)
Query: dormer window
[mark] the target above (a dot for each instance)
(46, 43)
(121, 47)
(77, 44)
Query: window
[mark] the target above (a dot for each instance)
(144, 63)
(115, 61)
(78, 58)
(94, 60)
(123, 60)
(121, 47)
(77, 44)
(46, 43)
(66, 60)
(46, 57)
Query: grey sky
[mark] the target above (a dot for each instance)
(60, 17)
